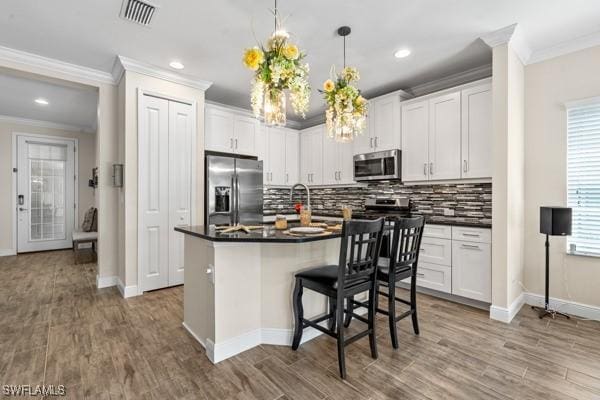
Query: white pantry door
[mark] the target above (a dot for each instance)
(45, 193)
(181, 128)
(166, 147)
(153, 193)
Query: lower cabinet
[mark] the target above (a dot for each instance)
(472, 270)
(456, 260)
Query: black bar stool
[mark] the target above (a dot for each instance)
(353, 275)
(404, 258)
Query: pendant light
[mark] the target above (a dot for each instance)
(346, 109)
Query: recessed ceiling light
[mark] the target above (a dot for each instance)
(176, 65)
(42, 102)
(402, 53)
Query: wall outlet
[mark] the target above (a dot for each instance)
(448, 212)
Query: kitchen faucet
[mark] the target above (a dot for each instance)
(307, 192)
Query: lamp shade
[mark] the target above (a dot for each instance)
(555, 221)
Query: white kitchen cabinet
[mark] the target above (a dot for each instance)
(444, 137)
(415, 141)
(476, 134)
(436, 251)
(337, 162)
(218, 135)
(311, 155)
(228, 131)
(275, 160)
(471, 270)
(385, 122)
(292, 157)
(363, 142)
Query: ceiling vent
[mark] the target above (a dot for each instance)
(140, 12)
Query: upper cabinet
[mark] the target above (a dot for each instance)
(383, 125)
(292, 157)
(228, 131)
(448, 136)
(311, 155)
(477, 132)
(337, 162)
(280, 151)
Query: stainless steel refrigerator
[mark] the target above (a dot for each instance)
(233, 190)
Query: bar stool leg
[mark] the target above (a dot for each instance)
(372, 312)
(332, 311)
(340, 339)
(298, 314)
(348, 319)
(392, 311)
(413, 305)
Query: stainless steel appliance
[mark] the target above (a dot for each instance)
(378, 166)
(233, 191)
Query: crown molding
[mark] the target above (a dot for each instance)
(72, 70)
(571, 46)
(45, 124)
(474, 74)
(123, 64)
(509, 35)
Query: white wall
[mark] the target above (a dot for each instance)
(128, 92)
(87, 160)
(548, 85)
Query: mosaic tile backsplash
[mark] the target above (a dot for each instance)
(471, 202)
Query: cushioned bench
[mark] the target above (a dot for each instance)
(84, 237)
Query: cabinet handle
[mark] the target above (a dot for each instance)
(430, 168)
(371, 143)
(376, 141)
(287, 178)
(422, 249)
(471, 234)
(470, 246)
(465, 168)
(420, 275)
(425, 169)
(231, 143)
(236, 144)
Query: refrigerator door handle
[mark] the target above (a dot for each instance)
(232, 200)
(237, 195)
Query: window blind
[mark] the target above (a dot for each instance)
(583, 177)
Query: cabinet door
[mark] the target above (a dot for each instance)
(415, 141)
(244, 130)
(363, 143)
(346, 163)
(305, 157)
(218, 130)
(181, 123)
(292, 157)
(444, 137)
(331, 162)
(477, 132)
(316, 159)
(386, 123)
(276, 156)
(472, 270)
(262, 150)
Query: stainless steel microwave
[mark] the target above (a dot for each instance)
(378, 166)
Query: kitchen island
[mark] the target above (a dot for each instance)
(238, 286)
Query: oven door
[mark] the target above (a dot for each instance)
(382, 165)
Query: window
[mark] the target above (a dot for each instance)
(583, 177)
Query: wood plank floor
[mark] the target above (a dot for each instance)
(58, 329)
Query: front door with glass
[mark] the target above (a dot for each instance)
(45, 193)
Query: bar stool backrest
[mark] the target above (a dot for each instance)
(362, 239)
(406, 243)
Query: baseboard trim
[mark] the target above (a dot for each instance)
(569, 307)
(106, 281)
(7, 252)
(507, 314)
(271, 336)
(127, 291)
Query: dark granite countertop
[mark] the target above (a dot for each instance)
(268, 235)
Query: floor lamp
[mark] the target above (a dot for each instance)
(554, 221)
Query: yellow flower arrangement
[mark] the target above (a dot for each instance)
(278, 67)
(253, 58)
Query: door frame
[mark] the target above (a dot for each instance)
(14, 183)
(193, 214)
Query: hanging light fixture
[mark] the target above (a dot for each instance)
(346, 109)
(278, 69)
